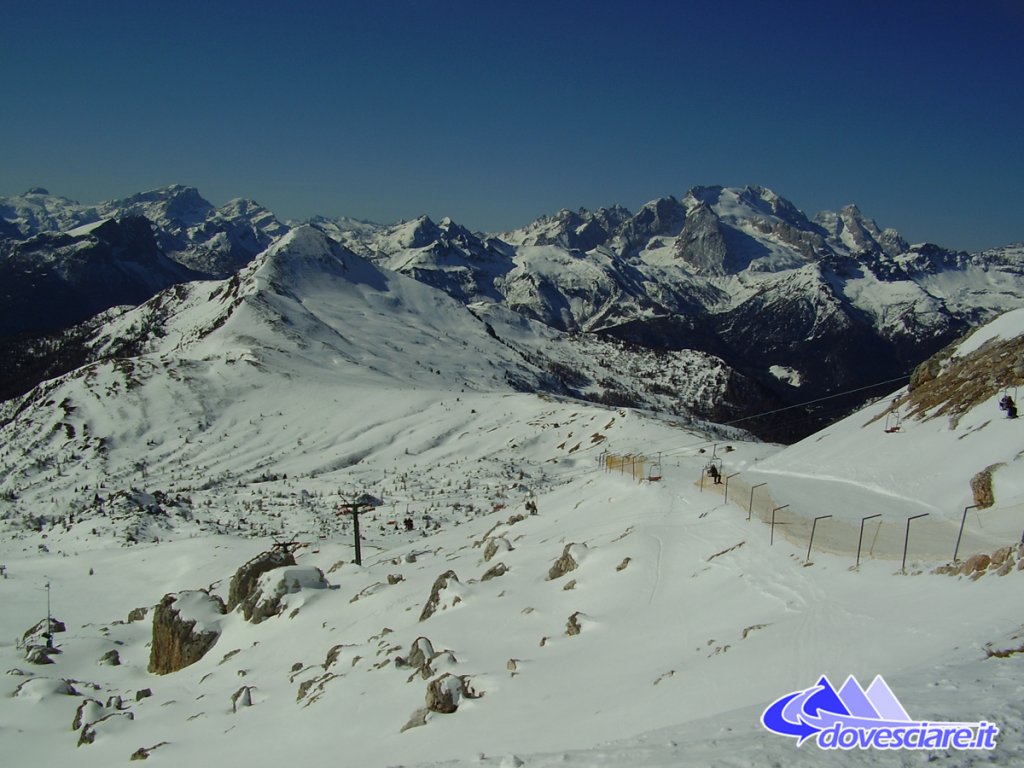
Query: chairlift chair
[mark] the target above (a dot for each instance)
(893, 422)
(716, 462)
(654, 473)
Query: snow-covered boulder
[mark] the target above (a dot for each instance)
(185, 626)
(269, 595)
(443, 594)
(39, 688)
(445, 693)
(569, 560)
(243, 583)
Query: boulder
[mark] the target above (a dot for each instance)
(241, 698)
(267, 596)
(243, 583)
(572, 626)
(567, 561)
(424, 659)
(493, 546)
(445, 693)
(981, 487)
(39, 642)
(88, 711)
(494, 572)
(975, 564)
(137, 614)
(185, 626)
(441, 583)
(113, 721)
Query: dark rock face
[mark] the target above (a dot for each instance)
(702, 242)
(55, 280)
(177, 641)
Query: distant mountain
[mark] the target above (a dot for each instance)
(54, 280)
(794, 307)
(806, 307)
(212, 241)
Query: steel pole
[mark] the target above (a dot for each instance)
(860, 541)
(750, 506)
(811, 542)
(906, 540)
(726, 499)
(963, 520)
(771, 541)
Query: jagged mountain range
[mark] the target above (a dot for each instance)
(793, 307)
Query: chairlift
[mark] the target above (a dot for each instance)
(893, 422)
(654, 473)
(1008, 402)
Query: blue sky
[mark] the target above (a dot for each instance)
(494, 113)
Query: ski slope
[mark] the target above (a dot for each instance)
(264, 404)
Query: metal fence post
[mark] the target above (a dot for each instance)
(771, 541)
(811, 542)
(750, 506)
(962, 521)
(861, 539)
(726, 499)
(906, 541)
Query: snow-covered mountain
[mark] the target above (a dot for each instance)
(805, 307)
(796, 307)
(213, 241)
(544, 609)
(54, 280)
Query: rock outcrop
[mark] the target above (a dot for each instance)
(243, 583)
(185, 627)
(567, 561)
(267, 597)
(441, 584)
(445, 693)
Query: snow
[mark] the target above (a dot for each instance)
(786, 374)
(194, 605)
(1007, 325)
(85, 229)
(317, 376)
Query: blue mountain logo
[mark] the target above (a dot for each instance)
(854, 717)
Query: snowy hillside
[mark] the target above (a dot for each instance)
(935, 447)
(739, 273)
(775, 307)
(529, 593)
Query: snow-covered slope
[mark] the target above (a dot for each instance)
(584, 618)
(935, 447)
(739, 273)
